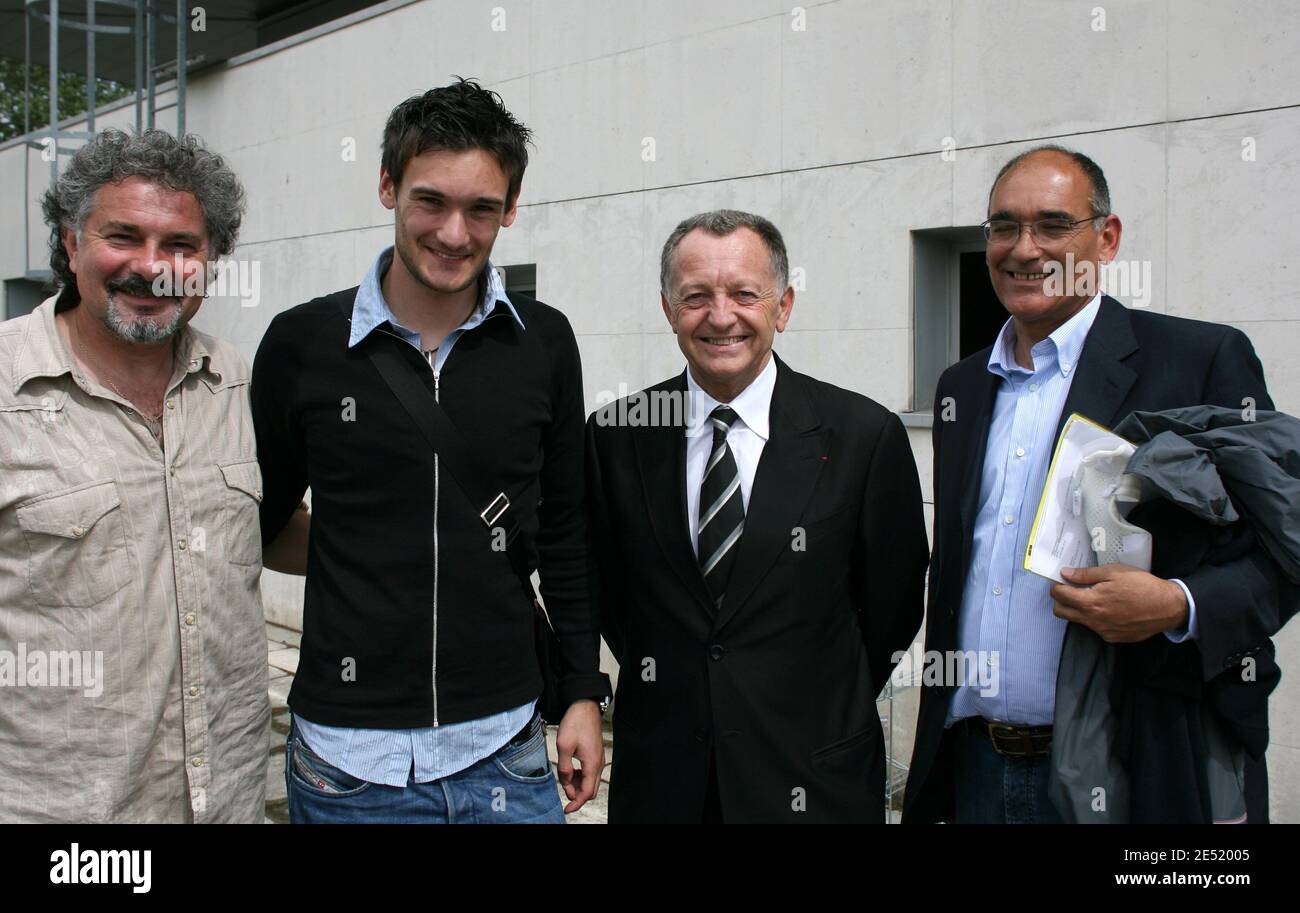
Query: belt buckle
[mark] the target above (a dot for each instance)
(1012, 733)
(497, 515)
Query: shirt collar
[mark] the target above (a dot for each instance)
(1060, 350)
(371, 310)
(44, 354)
(753, 405)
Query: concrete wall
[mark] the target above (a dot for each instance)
(834, 131)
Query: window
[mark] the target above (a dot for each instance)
(21, 296)
(955, 311)
(522, 278)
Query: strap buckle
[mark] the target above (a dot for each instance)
(483, 515)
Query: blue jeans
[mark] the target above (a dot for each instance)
(513, 786)
(992, 789)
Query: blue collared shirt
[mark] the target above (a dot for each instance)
(1006, 611)
(1006, 620)
(391, 755)
(371, 310)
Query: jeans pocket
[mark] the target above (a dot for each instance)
(312, 773)
(526, 761)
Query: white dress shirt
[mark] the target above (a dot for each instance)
(746, 437)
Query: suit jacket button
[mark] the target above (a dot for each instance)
(716, 651)
(699, 735)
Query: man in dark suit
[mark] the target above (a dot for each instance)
(1212, 599)
(761, 554)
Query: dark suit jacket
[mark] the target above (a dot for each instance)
(1131, 360)
(781, 682)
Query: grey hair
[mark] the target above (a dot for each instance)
(1098, 189)
(720, 223)
(183, 164)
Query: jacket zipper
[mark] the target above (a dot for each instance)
(435, 559)
(434, 671)
(434, 668)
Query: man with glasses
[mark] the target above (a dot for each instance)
(983, 755)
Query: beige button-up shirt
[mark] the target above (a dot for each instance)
(133, 679)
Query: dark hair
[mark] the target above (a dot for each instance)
(1098, 189)
(457, 117)
(720, 223)
(178, 164)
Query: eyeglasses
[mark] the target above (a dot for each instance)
(1044, 231)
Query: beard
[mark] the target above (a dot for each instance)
(133, 328)
(407, 250)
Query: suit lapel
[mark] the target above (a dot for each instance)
(1103, 381)
(661, 458)
(984, 389)
(784, 481)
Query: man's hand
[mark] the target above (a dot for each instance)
(579, 736)
(1121, 603)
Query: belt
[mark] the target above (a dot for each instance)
(1022, 743)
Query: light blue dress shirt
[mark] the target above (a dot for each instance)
(1006, 621)
(389, 755)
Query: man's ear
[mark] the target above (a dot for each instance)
(1110, 233)
(70, 246)
(783, 308)
(508, 217)
(387, 189)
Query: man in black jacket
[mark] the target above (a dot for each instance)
(762, 556)
(1194, 661)
(415, 695)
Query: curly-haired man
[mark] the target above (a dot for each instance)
(132, 647)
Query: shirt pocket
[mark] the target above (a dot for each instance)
(76, 544)
(243, 496)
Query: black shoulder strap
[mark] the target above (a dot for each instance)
(470, 473)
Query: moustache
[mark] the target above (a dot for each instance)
(137, 286)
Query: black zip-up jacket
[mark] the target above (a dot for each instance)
(410, 617)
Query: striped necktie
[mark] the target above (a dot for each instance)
(722, 510)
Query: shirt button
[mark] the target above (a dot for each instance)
(1008, 519)
(1033, 388)
(171, 404)
(993, 659)
(1020, 451)
(189, 619)
(78, 531)
(194, 690)
(182, 544)
(997, 591)
(197, 762)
